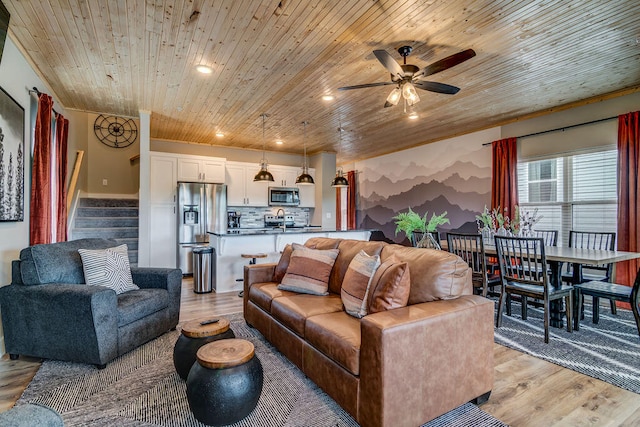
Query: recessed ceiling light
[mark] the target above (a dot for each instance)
(413, 116)
(279, 142)
(220, 134)
(204, 69)
(328, 97)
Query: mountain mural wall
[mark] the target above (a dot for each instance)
(452, 175)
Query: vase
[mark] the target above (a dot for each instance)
(428, 242)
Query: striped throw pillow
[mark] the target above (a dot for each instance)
(356, 283)
(309, 270)
(108, 267)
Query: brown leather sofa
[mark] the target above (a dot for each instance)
(401, 367)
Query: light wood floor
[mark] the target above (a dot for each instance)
(527, 391)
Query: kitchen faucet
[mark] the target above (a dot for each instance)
(284, 223)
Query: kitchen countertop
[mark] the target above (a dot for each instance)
(271, 231)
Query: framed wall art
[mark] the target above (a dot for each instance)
(11, 159)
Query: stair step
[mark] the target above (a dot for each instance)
(93, 212)
(132, 244)
(104, 222)
(96, 202)
(106, 233)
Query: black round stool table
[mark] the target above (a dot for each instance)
(224, 385)
(194, 335)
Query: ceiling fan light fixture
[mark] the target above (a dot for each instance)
(304, 178)
(394, 96)
(410, 93)
(263, 175)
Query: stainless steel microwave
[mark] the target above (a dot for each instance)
(284, 196)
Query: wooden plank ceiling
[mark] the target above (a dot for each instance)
(280, 56)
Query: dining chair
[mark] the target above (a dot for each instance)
(600, 272)
(470, 247)
(550, 237)
(520, 259)
(613, 292)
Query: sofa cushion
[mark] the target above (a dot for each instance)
(261, 294)
(293, 311)
(137, 304)
(390, 286)
(348, 250)
(337, 336)
(108, 267)
(435, 274)
(309, 270)
(283, 263)
(322, 243)
(57, 262)
(357, 282)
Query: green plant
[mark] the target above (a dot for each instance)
(410, 221)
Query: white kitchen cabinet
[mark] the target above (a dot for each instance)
(241, 189)
(201, 169)
(162, 236)
(308, 192)
(284, 176)
(163, 184)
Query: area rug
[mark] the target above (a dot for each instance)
(141, 388)
(608, 351)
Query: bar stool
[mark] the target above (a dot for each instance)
(252, 262)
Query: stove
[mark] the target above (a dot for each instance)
(278, 221)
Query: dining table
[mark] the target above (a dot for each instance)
(556, 256)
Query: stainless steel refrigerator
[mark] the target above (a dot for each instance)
(201, 208)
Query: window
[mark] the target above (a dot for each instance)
(576, 191)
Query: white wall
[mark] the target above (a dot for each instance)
(16, 77)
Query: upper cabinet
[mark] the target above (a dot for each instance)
(241, 189)
(284, 176)
(162, 178)
(201, 169)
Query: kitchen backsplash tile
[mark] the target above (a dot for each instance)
(253, 217)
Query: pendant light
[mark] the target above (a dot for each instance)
(264, 175)
(305, 178)
(339, 181)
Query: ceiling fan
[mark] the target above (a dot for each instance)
(408, 77)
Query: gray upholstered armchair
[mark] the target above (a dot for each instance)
(48, 312)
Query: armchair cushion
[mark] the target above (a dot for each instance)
(57, 262)
(135, 305)
(108, 267)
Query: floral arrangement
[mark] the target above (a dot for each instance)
(497, 220)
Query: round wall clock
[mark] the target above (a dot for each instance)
(117, 132)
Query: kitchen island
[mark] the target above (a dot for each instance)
(229, 247)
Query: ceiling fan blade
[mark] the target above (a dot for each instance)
(389, 63)
(443, 64)
(437, 87)
(366, 85)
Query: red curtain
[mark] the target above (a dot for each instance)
(62, 133)
(40, 206)
(351, 200)
(338, 208)
(504, 182)
(628, 205)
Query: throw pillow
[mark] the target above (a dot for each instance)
(309, 270)
(108, 267)
(390, 286)
(283, 263)
(357, 282)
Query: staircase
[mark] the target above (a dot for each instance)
(109, 219)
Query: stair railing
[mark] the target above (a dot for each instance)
(73, 182)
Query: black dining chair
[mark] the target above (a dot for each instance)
(550, 237)
(470, 248)
(597, 272)
(520, 260)
(611, 291)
